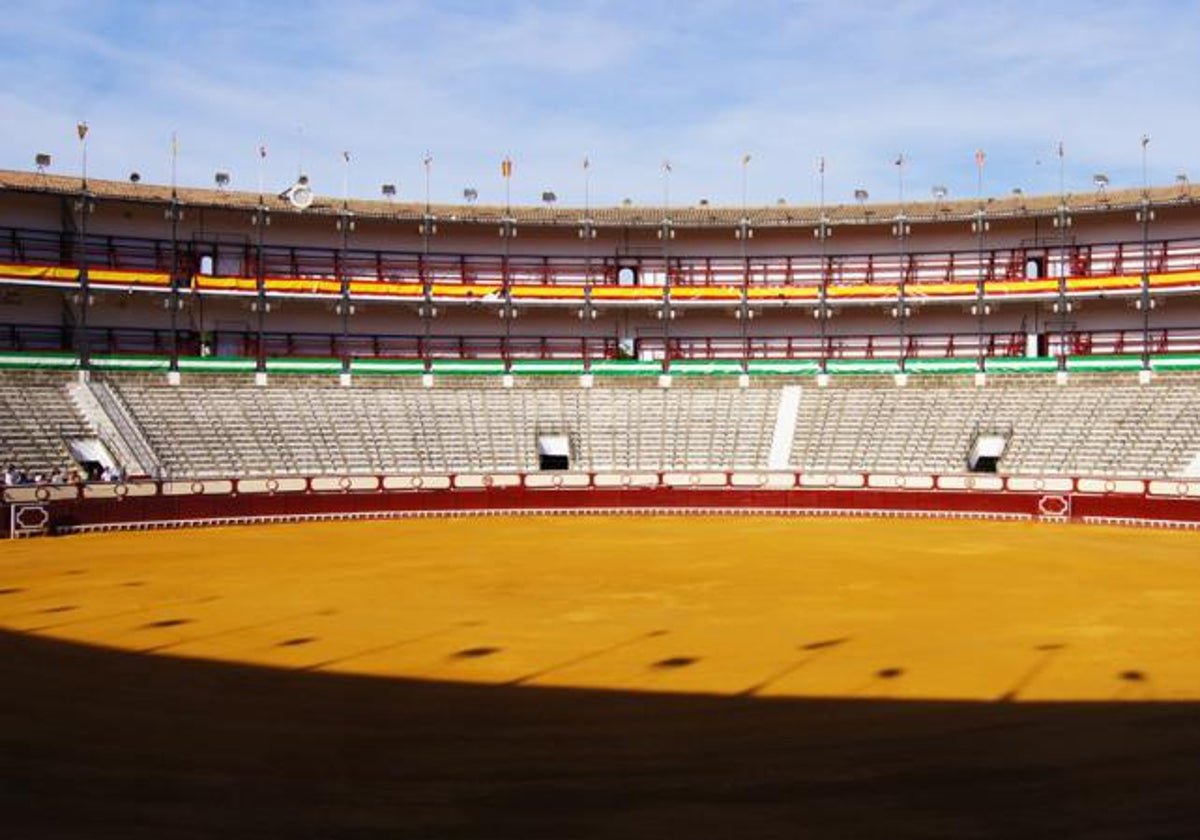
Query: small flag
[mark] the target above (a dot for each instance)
(1145, 140)
(587, 163)
(346, 156)
(980, 157)
(506, 167)
(900, 159)
(427, 160)
(821, 165)
(745, 160)
(262, 151)
(174, 144)
(82, 128)
(1060, 148)
(666, 166)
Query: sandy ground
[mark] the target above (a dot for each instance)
(749, 607)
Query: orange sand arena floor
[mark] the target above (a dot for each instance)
(904, 609)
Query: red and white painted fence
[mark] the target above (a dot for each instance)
(147, 504)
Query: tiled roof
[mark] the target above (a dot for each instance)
(621, 216)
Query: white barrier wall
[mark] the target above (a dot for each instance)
(484, 480)
(206, 487)
(416, 482)
(283, 484)
(345, 483)
(1110, 485)
(629, 479)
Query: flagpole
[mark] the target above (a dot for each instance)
(745, 177)
(82, 130)
(262, 161)
(507, 185)
(428, 164)
(587, 187)
(1062, 172)
(174, 161)
(979, 159)
(821, 168)
(666, 167)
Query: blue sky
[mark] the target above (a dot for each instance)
(627, 83)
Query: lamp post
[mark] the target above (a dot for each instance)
(84, 206)
(345, 225)
(1062, 221)
(174, 215)
(980, 227)
(260, 217)
(587, 232)
(901, 230)
(427, 229)
(666, 232)
(744, 233)
(1145, 216)
(822, 232)
(508, 231)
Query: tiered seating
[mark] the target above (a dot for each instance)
(226, 425)
(1094, 425)
(36, 416)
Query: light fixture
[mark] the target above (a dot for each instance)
(548, 197)
(388, 190)
(1017, 191)
(940, 193)
(1100, 180)
(861, 196)
(42, 161)
(704, 202)
(471, 195)
(222, 180)
(299, 195)
(627, 202)
(134, 177)
(781, 202)
(1182, 179)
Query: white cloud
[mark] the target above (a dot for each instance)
(626, 83)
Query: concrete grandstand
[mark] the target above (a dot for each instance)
(215, 345)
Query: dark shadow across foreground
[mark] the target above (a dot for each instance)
(99, 744)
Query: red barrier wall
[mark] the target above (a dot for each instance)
(161, 510)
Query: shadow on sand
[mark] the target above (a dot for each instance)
(97, 743)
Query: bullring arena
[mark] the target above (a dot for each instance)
(632, 524)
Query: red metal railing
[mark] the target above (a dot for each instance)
(968, 265)
(143, 341)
